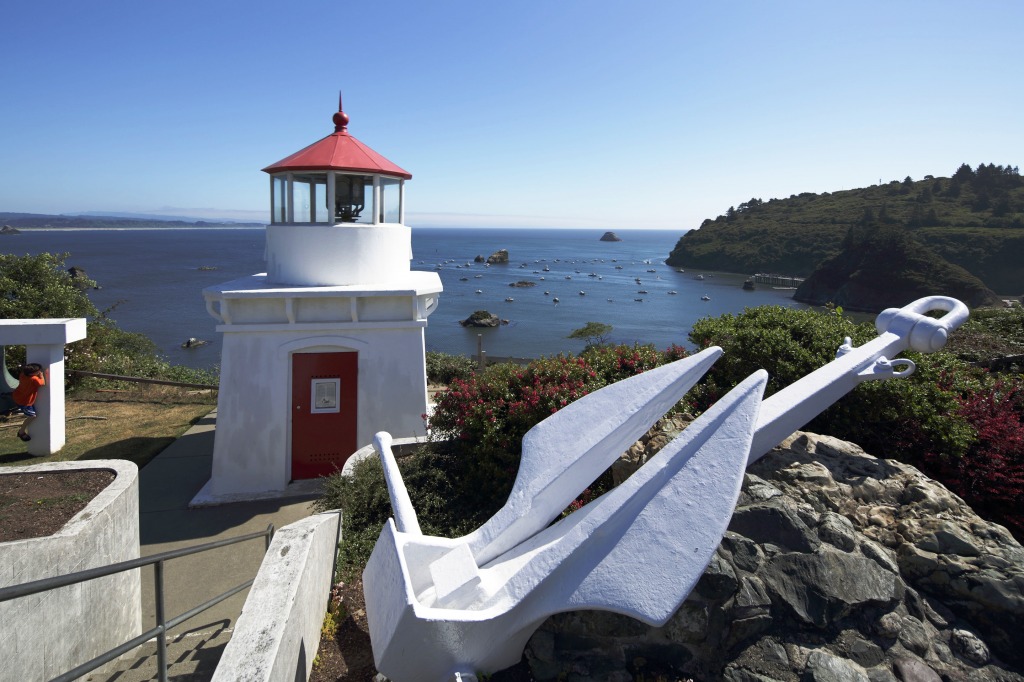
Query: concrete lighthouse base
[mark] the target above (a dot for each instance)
(281, 418)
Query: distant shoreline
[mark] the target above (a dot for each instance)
(140, 228)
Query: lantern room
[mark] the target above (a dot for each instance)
(330, 201)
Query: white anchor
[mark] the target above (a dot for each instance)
(445, 609)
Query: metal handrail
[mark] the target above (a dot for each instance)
(163, 624)
(139, 380)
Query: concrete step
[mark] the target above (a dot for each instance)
(192, 656)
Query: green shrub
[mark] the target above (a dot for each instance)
(39, 287)
(442, 367)
(913, 415)
(432, 476)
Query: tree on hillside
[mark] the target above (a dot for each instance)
(37, 287)
(33, 287)
(593, 333)
(963, 173)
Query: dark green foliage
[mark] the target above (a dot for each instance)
(35, 287)
(38, 286)
(913, 412)
(884, 267)
(594, 333)
(991, 333)
(793, 236)
(442, 368)
(432, 476)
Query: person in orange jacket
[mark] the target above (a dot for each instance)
(30, 381)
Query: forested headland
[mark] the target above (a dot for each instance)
(961, 236)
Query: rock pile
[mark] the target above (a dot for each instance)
(837, 566)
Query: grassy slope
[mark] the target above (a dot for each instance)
(794, 235)
(135, 425)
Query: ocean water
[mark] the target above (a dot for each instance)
(151, 281)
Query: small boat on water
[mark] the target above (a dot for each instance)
(479, 291)
(554, 300)
(705, 297)
(477, 276)
(568, 276)
(463, 279)
(652, 271)
(509, 299)
(680, 270)
(699, 277)
(583, 293)
(673, 292)
(642, 291)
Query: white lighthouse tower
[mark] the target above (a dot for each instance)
(327, 347)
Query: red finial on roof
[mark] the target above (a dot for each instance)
(340, 118)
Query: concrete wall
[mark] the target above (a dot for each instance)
(252, 452)
(47, 634)
(278, 633)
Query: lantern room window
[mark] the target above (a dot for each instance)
(279, 199)
(390, 200)
(353, 198)
(309, 192)
(328, 197)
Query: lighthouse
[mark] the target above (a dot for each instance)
(326, 347)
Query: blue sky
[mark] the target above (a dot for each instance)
(593, 114)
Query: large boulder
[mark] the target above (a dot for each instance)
(837, 566)
(481, 318)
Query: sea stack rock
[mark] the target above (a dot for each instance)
(479, 259)
(7, 229)
(610, 237)
(80, 278)
(499, 256)
(481, 318)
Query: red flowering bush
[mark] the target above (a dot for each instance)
(490, 412)
(991, 475)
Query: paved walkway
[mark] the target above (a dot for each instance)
(166, 486)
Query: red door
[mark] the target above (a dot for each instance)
(324, 394)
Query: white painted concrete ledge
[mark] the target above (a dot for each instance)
(277, 635)
(106, 531)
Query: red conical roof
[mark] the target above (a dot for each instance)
(338, 151)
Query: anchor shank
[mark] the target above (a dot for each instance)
(899, 329)
(803, 400)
